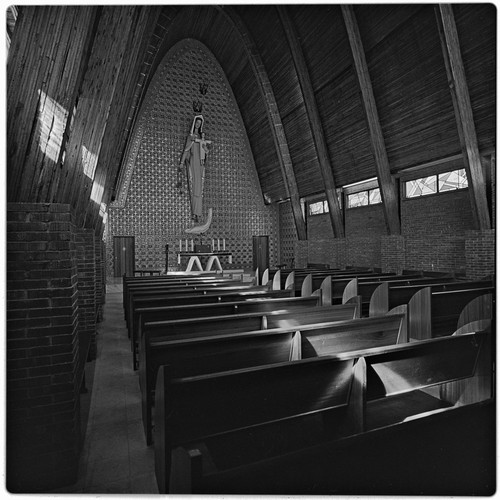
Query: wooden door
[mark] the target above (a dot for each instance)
(260, 254)
(124, 255)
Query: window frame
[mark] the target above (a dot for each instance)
(436, 177)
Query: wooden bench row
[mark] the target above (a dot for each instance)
(287, 428)
(216, 350)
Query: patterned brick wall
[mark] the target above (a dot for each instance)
(43, 431)
(287, 234)
(149, 203)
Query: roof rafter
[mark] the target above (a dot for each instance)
(386, 182)
(463, 114)
(274, 118)
(314, 120)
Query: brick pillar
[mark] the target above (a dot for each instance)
(480, 253)
(100, 278)
(393, 254)
(43, 424)
(86, 259)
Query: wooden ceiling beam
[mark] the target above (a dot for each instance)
(314, 121)
(463, 114)
(387, 184)
(273, 116)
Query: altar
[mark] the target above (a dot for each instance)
(212, 262)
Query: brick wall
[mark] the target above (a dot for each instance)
(365, 221)
(393, 254)
(43, 428)
(435, 229)
(149, 204)
(437, 235)
(100, 285)
(480, 254)
(87, 289)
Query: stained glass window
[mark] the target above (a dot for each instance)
(447, 181)
(451, 181)
(316, 208)
(375, 196)
(421, 187)
(357, 199)
(321, 207)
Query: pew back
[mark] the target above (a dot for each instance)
(217, 407)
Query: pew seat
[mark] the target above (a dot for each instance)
(291, 428)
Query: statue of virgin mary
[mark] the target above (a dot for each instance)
(194, 158)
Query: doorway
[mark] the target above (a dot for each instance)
(124, 256)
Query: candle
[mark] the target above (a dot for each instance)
(213, 247)
(224, 244)
(180, 245)
(230, 259)
(192, 245)
(186, 245)
(178, 258)
(218, 244)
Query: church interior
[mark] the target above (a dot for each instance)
(250, 249)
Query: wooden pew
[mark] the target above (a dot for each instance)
(145, 289)
(293, 317)
(174, 284)
(145, 281)
(436, 313)
(280, 276)
(366, 289)
(288, 428)
(386, 297)
(306, 282)
(140, 301)
(221, 352)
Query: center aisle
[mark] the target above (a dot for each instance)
(115, 457)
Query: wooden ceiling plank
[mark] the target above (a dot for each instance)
(386, 182)
(464, 116)
(274, 118)
(106, 170)
(314, 121)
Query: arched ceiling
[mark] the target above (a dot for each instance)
(405, 62)
(329, 94)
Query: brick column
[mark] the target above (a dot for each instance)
(43, 427)
(100, 255)
(393, 254)
(480, 253)
(86, 259)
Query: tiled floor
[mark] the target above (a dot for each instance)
(115, 458)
